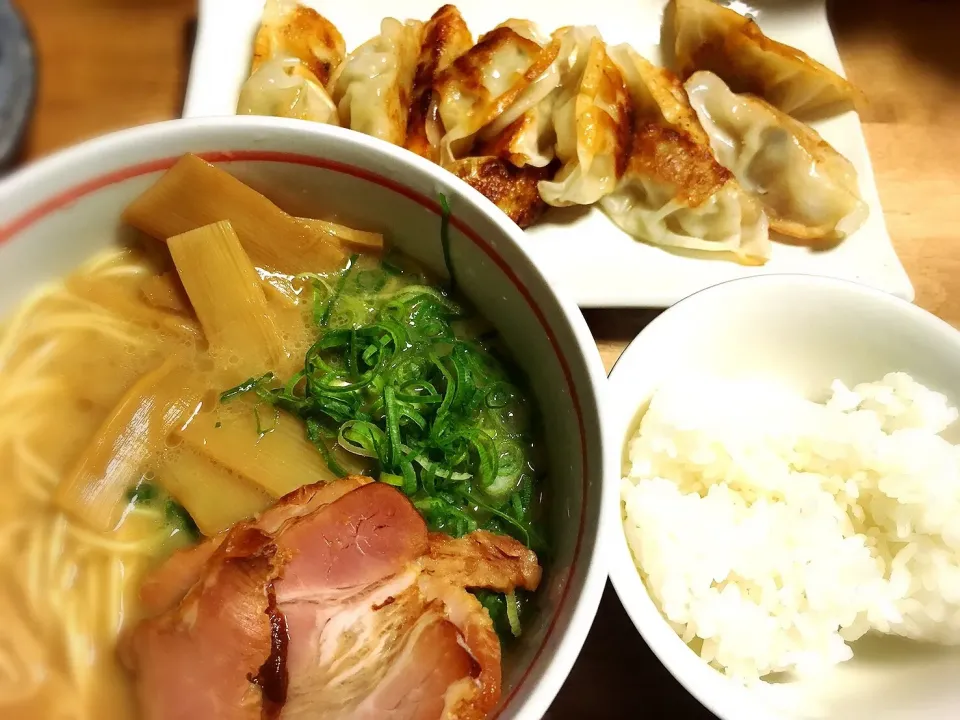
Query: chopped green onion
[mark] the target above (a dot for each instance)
(371, 281)
(325, 318)
(495, 604)
(391, 479)
(261, 429)
(178, 516)
(390, 381)
(246, 386)
(143, 493)
(315, 435)
(409, 478)
(513, 613)
(393, 426)
(362, 438)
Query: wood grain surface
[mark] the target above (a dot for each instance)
(109, 64)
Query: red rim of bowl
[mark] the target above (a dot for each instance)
(70, 195)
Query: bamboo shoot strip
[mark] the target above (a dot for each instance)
(165, 291)
(215, 498)
(136, 308)
(194, 193)
(137, 428)
(267, 447)
(225, 291)
(348, 239)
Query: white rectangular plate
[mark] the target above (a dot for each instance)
(580, 249)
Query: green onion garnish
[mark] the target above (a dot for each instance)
(513, 613)
(393, 386)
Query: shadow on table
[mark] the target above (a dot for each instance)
(189, 41)
(617, 676)
(925, 28)
(620, 324)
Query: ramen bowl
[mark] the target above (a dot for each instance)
(65, 209)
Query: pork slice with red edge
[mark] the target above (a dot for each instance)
(200, 660)
(395, 635)
(358, 615)
(166, 585)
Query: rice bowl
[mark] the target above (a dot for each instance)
(805, 525)
(796, 334)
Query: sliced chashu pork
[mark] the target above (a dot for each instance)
(195, 660)
(166, 586)
(347, 609)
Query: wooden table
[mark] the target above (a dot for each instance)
(108, 64)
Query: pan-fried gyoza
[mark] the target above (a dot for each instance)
(533, 120)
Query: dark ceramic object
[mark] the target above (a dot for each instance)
(18, 80)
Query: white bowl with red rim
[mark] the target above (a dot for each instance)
(59, 212)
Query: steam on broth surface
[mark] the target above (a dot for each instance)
(119, 446)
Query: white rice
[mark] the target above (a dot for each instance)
(772, 531)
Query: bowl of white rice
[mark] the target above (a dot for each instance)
(787, 533)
